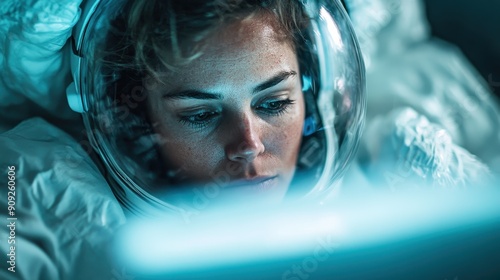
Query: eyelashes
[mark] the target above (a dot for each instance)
(276, 107)
(203, 118)
(199, 120)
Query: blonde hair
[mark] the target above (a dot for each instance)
(165, 34)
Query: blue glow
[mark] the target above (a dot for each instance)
(233, 235)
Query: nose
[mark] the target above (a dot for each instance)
(245, 144)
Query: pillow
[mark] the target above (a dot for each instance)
(34, 59)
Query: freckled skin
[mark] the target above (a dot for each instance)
(241, 141)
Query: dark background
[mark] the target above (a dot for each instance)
(474, 26)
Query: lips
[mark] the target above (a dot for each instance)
(261, 181)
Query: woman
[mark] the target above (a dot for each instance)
(224, 106)
(218, 96)
(67, 213)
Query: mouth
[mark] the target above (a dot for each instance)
(264, 182)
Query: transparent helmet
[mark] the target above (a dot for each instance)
(110, 90)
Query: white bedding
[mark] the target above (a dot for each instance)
(34, 65)
(66, 213)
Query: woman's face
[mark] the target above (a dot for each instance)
(233, 116)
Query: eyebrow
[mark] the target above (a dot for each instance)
(276, 79)
(192, 94)
(196, 94)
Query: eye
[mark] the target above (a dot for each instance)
(275, 107)
(201, 116)
(199, 119)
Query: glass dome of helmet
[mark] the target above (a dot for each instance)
(111, 91)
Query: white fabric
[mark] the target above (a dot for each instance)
(411, 78)
(34, 61)
(387, 27)
(404, 149)
(437, 81)
(66, 213)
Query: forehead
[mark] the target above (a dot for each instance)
(248, 34)
(248, 50)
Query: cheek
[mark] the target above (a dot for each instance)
(288, 136)
(180, 150)
(189, 155)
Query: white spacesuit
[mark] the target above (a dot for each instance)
(66, 211)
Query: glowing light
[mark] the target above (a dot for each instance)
(233, 235)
